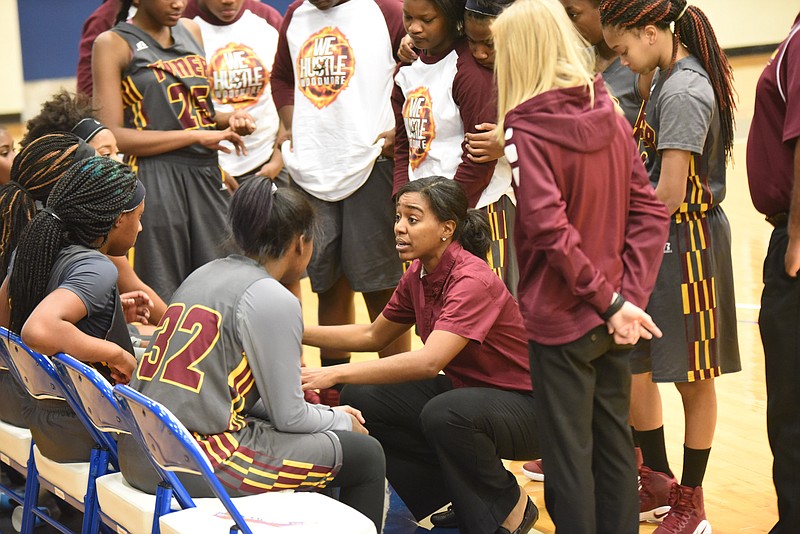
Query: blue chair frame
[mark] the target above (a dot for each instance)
(80, 382)
(94, 396)
(38, 376)
(8, 366)
(171, 447)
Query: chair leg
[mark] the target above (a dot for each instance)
(163, 505)
(31, 496)
(98, 466)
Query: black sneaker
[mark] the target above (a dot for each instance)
(528, 520)
(446, 519)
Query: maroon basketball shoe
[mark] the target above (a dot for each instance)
(654, 494)
(688, 513)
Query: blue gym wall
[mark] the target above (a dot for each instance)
(50, 31)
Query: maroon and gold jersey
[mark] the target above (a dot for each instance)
(166, 88)
(225, 359)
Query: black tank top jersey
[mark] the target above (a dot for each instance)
(166, 88)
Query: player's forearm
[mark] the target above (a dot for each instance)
(348, 337)
(794, 209)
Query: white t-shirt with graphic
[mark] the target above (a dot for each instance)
(240, 57)
(336, 67)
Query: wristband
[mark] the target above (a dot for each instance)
(615, 306)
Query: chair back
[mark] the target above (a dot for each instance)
(92, 393)
(4, 357)
(6, 363)
(36, 371)
(170, 445)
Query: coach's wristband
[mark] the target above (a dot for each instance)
(616, 305)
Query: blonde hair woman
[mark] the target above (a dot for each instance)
(589, 236)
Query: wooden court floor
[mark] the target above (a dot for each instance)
(738, 486)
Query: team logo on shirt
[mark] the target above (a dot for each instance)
(645, 134)
(421, 130)
(325, 65)
(237, 75)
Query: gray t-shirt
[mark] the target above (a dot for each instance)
(682, 114)
(93, 278)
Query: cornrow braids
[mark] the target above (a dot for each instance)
(59, 114)
(81, 210)
(34, 172)
(693, 29)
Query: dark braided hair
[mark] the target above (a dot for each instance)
(59, 114)
(81, 210)
(448, 202)
(695, 32)
(35, 171)
(122, 14)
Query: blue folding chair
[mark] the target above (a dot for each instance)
(73, 482)
(15, 442)
(122, 507)
(173, 449)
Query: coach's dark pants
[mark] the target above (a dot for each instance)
(582, 394)
(779, 322)
(445, 445)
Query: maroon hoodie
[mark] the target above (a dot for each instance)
(588, 222)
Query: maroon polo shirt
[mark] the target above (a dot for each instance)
(775, 129)
(464, 297)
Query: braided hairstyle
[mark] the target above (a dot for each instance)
(35, 171)
(81, 210)
(448, 202)
(59, 114)
(695, 32)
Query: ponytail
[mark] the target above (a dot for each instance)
(693, 29)
(264, 220)
(476, 234)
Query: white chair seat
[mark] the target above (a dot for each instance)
(132, 510)
(288, 513)
(68, 479)
(15, 445)
(126, 506)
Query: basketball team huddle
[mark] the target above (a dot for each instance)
(533, 187)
